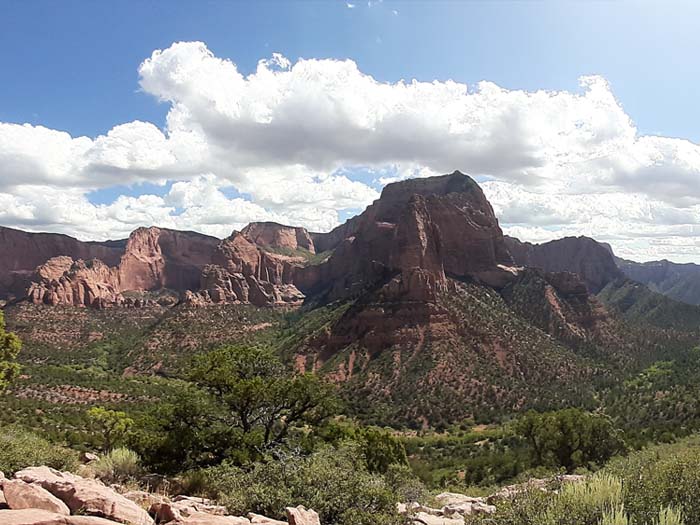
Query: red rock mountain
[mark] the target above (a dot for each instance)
(436, 227)
(410, 243)
(22, 252)
(592, 260)
(421, 292)
(152, 260)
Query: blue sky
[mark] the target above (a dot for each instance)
(73, 66)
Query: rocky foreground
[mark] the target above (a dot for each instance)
(44, 496)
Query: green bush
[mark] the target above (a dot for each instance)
(663, 476)
(117, 466)
(334, 482)
(585, 503)
(20, 449)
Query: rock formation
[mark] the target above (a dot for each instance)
(22, 252)
(442, 225)
(158, 258)
(416, 237)
(63, 281)
(584, 256)
(44, 496)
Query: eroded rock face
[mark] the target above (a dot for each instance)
(154, 259)
(63, 281)
(157, 258)
(275, 235)
(22, 252)
(584, 256)
(442, 225)
(244, 272)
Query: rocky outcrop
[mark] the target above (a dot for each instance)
(273, 235)
(154, 259)
(63, 281)
(22, 252)
(441, 225)
(86, 496)
(245, 272)
(584, 256)
(157, 258)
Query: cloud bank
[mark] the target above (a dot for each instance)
(311, 141)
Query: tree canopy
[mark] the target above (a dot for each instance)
(10, 345)
(570, 438)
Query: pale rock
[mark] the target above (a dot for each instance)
(302, 516)
(20, 495)
(87, 496)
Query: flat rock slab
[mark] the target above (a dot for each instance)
(42, 517)
(86, 496)
(202, 518)
(20, 495)
(264, 520)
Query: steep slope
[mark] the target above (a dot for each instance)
(590, 259)
(677, 281)
(442, 225)
(415, 307)
(22, 252)
(154, 260)
(640, 305)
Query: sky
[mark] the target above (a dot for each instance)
(577, 118)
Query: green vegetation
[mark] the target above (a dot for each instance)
(334, 481)
(112, 425)
(639, 304)
(655, 486)
(570, 438)
(119, 465)
(10, 346)
(20, 449)
(223, 412)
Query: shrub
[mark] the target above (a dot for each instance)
(20, 448)
(334, 482)
(585, 503)
(659, 477)
(118, 466)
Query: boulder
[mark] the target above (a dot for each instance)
(143, 499)
(264, 520)
(202, 518)
(87, 496)
(459, 504)
(32, 517)
(20, 495)
(428, 519)
(165, 512)
(188, 505)
(302, 516)
(88, 457)
(43, 517)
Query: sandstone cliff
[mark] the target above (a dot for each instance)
(22, 252)
(584, 256)
(441, 225)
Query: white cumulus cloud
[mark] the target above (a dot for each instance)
(289, 136)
